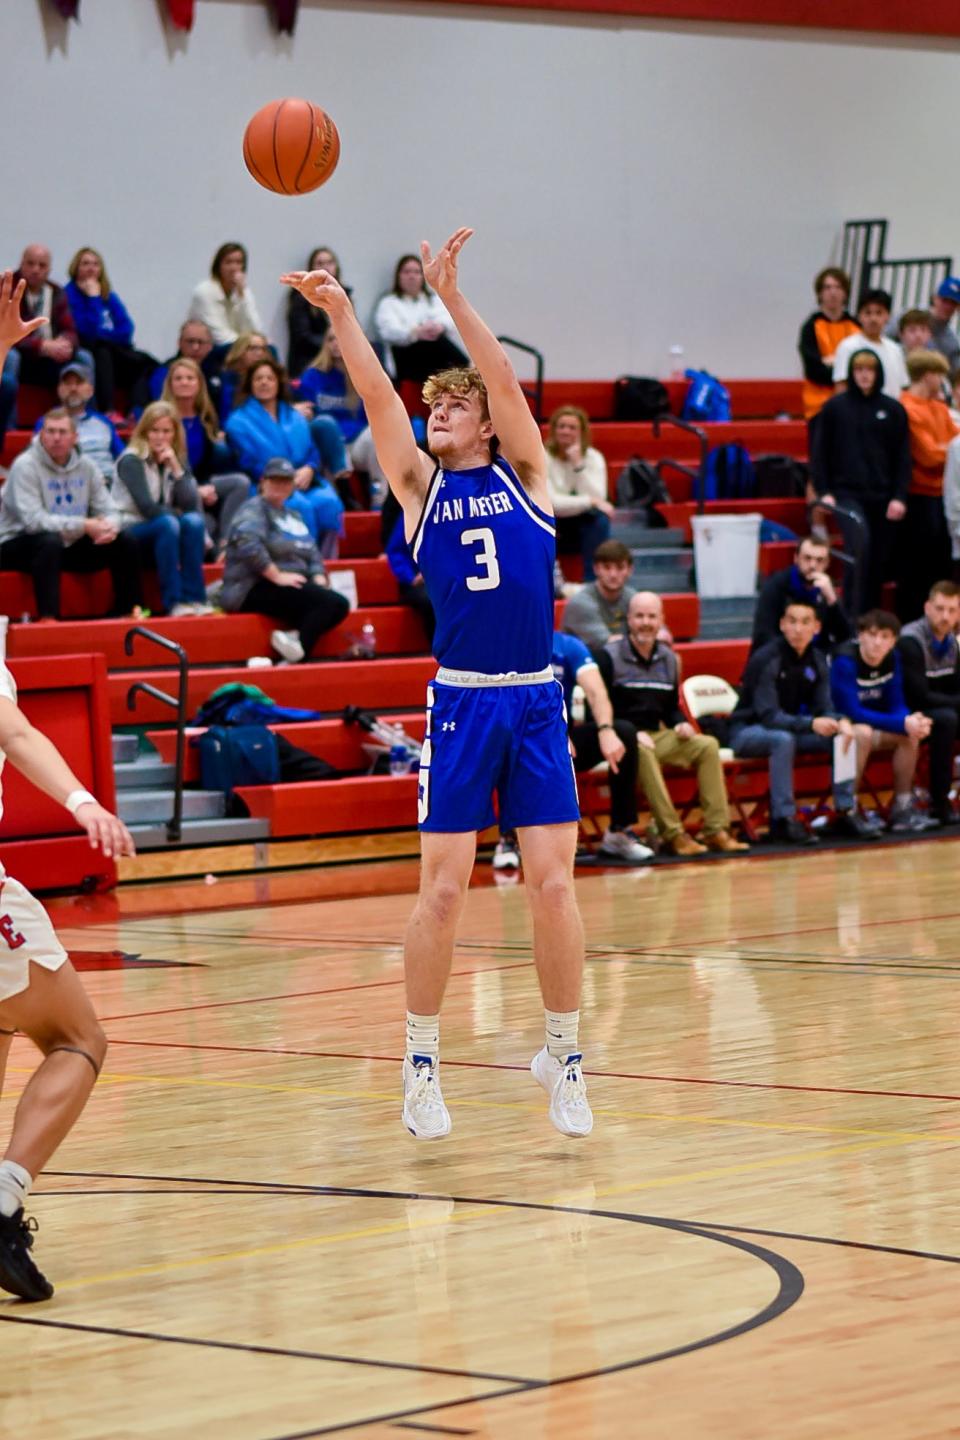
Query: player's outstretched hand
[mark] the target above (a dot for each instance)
(13, 328)
(104, 831)
(319, 287)
(440, 270)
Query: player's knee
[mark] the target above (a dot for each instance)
(440, 901)
(553, 888)
(84, 1037)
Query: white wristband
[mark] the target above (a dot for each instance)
(76, 798)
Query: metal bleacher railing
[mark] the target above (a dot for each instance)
(910, 281)
(177, 702)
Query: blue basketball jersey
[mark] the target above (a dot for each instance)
(486, 552)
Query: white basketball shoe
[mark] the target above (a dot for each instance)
(424, 1113)
(563, 1081)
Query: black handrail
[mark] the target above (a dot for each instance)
(538, 357)
(175, 825)
(853, 559)
(704, 443)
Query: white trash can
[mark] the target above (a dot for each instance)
(725, 551)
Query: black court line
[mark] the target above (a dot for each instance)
(790, 1286)
(432, 1429)
(842, 1244)
(522, 1069)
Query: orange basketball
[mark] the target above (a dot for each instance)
(291, 147)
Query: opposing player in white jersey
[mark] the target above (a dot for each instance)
(40, 994)
(479, 518)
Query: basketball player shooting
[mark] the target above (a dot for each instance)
(40, 994)
(479, 518)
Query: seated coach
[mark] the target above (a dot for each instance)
(930, 656)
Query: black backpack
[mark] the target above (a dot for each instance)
(780, 477)
(636, 397)
(640, 487)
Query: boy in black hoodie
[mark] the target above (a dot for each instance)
(860, 460)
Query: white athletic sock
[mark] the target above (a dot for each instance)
(423, 1037)
(562, 1027)
(15, 1186)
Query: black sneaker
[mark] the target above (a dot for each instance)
(852, 823)
(792, 832)
(18, 1274)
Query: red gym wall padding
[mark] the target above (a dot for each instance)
(936, 17)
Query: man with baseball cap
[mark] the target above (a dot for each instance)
(943, 307)
(96, 435)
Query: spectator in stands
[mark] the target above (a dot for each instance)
(785, 709)
(951, 495)
(873, 314)
(38, 358)
(307, 325)
(820, 335)
(193, 343)
(915, 330)
(225, 302)
(927, 548)
(413, 322)
(867, 686)
(642, 676)
(599, 609)
(860, 461)
(156, 498)
(57, 514)
(327, 388)
(930, 656)
(399, 552)
(96, 434)
(221, 487)
(106, 331)
(247, 350)
(806, 581)
(263, 426)
(943, 307)
(577, 476)
(273, 567)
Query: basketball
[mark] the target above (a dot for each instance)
(291, 147)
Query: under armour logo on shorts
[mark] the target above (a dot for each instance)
(449, 725)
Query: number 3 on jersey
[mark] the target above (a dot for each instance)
(485, 558)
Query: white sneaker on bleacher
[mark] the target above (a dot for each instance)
(287, 645)
(424, 1113)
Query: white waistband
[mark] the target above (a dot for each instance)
(475, 677)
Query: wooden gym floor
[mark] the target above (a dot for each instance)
(760, 1239)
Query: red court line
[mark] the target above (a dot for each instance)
(487, 1065)
(299, 994)
(820, 929)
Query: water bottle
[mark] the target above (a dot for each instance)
(676, 369)
(368, 641)
(399, 758)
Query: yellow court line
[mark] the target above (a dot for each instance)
(612, 1112)
(475, 1212)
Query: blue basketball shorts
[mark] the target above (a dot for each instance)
(505, 739)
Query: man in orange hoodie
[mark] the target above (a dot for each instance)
(820, 335)
(926, 555)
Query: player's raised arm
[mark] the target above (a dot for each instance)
(404, 464)
(516, 429)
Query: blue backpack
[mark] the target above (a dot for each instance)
(729, 475)
(706, 398)
(232, 755)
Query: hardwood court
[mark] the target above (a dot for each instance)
(759, 1240)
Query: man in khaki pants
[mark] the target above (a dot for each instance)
(642, 675)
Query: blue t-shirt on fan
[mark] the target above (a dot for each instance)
(487, 552)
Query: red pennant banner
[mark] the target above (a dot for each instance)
(285, 13)
(181, 13)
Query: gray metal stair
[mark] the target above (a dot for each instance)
(726, 619)
(662, 568)
(125, 748)
(140, 806)
(196, 833)
(145, 773)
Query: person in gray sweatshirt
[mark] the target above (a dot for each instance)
(273, 567)
(159, 506)
(56, 514)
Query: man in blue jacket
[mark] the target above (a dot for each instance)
(866, 681)
(785, 708)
